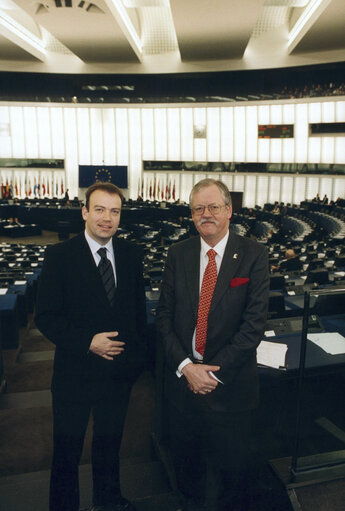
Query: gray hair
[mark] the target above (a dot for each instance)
(204, 183)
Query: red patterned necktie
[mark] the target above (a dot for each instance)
(207, 288)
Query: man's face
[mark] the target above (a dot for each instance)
(212, 227)
(103, 216)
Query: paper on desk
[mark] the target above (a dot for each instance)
(331, 342)
(19, 282)
(3, 291)
(271, 354)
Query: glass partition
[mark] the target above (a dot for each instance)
(319, 450)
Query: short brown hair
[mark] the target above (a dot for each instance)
(105, 187)
(204, 183)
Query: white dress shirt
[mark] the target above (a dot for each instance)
(94, 247)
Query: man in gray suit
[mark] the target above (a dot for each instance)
(211, 318)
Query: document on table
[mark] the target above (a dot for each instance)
(331, 342)
(271, 354)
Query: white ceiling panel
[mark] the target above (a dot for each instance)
(214, 29)
(88, 29)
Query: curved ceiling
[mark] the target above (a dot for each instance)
(162, 36)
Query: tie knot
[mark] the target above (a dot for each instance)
(102, 252)
(211, 254)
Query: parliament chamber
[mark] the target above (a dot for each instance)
(154, 96)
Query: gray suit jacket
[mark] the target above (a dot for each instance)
(236, 320)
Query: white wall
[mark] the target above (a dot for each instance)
(127, 135)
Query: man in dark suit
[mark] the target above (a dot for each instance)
(212, 385)
(291, 262)
(91, 305)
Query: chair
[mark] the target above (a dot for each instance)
(318, 276)
(329, 304)
(277, 281)
(276, 303)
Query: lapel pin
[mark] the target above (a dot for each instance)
(235, 256)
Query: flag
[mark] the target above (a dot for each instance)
(173, 191)
(154, 188)
(116, 174)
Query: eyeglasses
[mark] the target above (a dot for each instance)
(213, 209)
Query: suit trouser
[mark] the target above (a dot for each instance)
(70, 422)
(210, 452)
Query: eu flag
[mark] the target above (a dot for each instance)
(116, 174)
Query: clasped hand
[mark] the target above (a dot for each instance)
(199, 379)
(104, 346)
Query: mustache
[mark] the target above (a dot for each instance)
(206, 220)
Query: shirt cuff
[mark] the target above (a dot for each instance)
(181, 366)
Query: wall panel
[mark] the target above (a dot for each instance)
(187, 139)
(160, 134)
(213, 134)
(31, 135)
(301, 133)
(44, 133)
(252, 133)
(173, 134)
(135, 161)
(300, 183)
(17, 131)
(84, 135)
(96, 134)
(109, 138)
(239, 133)
(227, 134)
(249, 194)
(57, 131)
(121, 134)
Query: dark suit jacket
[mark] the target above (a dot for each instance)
(72, 307)
(293, 264)
(235, 325)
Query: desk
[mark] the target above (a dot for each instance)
(9, 321)
(316, 356)
(21, 291)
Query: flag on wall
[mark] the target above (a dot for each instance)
(116, 174)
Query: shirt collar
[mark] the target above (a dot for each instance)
(94, 246)
(219, 248)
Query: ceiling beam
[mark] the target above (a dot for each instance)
(18, 35)
(304, 23)
(119, 12)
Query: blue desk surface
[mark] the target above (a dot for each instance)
(316, 357)
(8, 302)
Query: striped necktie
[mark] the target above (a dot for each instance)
(107, 275)
(207, 288)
